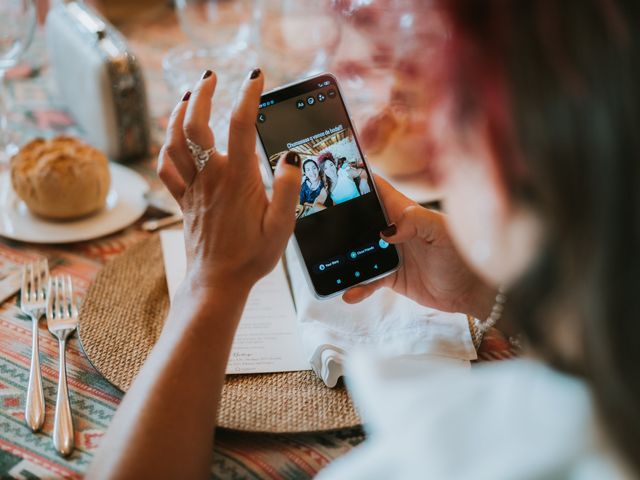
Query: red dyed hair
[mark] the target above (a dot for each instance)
(324, 157)
(474, 65)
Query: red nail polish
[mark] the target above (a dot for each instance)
(255, 74)
(292, 158)
(187, 96)
(206, 74)
(390, 231)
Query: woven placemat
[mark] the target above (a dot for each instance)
(121, 319)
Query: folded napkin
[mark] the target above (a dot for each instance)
(327, 330)
(388, 322)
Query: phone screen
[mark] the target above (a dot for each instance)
(339, 216)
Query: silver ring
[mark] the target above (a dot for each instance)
(200, 155)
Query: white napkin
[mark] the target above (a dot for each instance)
(388, 322)
(327, 330)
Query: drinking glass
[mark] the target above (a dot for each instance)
(225, 24)
(183, 66)
(17, 24)
(297, 38)
(390, 75)
(221, 34)
(384, 34)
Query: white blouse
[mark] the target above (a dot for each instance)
(345, 188)
(507, 420)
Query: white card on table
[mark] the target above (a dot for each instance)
(267, 339)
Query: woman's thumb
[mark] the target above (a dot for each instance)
(415, 221)
(286, 193)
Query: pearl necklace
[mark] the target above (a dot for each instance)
(481, 326)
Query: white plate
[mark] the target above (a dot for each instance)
(125, 204)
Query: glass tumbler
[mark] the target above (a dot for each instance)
(225, 24)
(391, 76)
(17, 24)
(296, 38)
(221, 34)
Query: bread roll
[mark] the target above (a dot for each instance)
(61, 178)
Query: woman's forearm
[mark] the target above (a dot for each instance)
(165, 424)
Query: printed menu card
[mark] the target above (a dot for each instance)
(267, 339)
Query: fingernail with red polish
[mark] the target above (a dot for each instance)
(390, 231)
(255, 74)
(292, 158)
(187, 96)
(206, 74)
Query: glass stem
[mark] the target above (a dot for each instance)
(7, 140)
(4, 123)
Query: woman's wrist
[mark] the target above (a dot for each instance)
(203, 292)
(210, 310)
(201, 285)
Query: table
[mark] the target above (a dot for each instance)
(23, 454)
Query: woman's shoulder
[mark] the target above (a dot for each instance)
(511, 419)
(451, 386)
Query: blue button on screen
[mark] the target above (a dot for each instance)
(357, 274)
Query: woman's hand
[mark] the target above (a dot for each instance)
(320, 203)
(364, 182)
(359, 175)
(432, 273)
(234, 234)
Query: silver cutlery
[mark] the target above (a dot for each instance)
(153, 225)
(162, 200)
(11, 283)
(33, 302)
(62, 320)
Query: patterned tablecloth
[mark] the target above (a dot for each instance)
(238, 455)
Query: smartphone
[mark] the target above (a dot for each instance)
(339, 216)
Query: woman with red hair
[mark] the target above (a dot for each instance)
(538, 157)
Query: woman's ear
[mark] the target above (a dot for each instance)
(498, 235)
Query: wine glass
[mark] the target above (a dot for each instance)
(226, 24)
(296, 38)
(383, 34)
(17, 24)
(391, 76)
(221, 34)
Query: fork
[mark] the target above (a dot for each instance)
(33, 302)
(62, 320)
